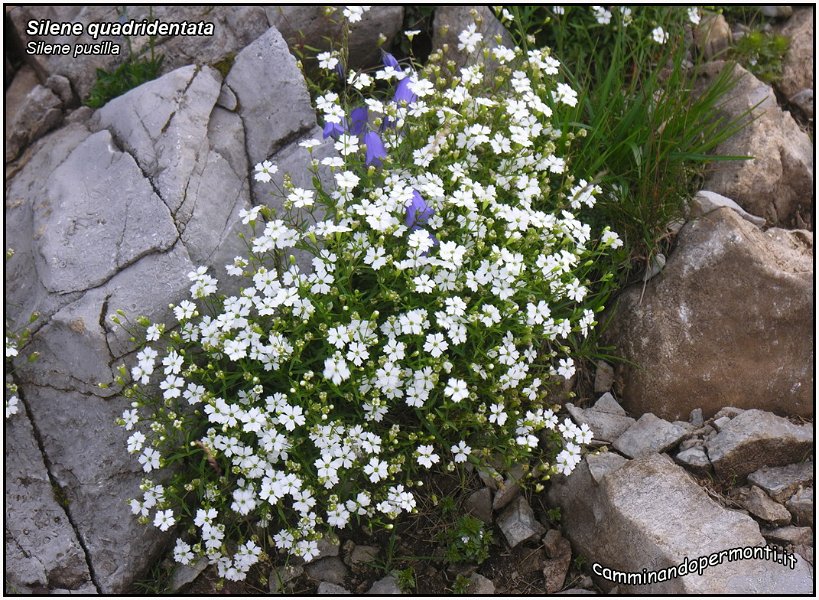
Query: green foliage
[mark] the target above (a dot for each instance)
(647, 131)
(762, 53)
(467, 541)
(405, 578)
(130, 74)
(461, 585)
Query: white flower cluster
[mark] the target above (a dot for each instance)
(445, 292)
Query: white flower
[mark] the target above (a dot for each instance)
(182, 552)
(498, 415)
(164, 519)
(694, 15)
(611, 239)
(469, 38)
(566, 368)
(301, 197)
(354, 13)
(602, 15)
(11, 349)
(659, 35)
(456, 389)
(264, 170)
(565, 94)
(435, 344)
(411, 33)
(461, 451)
(327, 60)
(426, 456)
(11, 406)
(376, 470)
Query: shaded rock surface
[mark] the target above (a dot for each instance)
(631, 519)
(736, 337)
(801, 507)
(755, 439)
(310, 26)
(759, 504)
(797, 67)
(777, 183)
(450, 21)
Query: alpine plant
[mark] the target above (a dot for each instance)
(433, 321)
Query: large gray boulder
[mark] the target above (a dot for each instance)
(777, 183)
(649, 514)
(725, 323)
(111, 212)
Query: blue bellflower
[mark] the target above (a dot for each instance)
(375, 149)
(418, 211)
(358, 120)
(390, 61)
(403, 93)
(334, 130)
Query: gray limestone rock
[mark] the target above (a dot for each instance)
(789, 536)
(600, 465)
(721, 422)
(186, 574)
(800, 506)
(777, 183)
(62, 87)
(712, 35)
(331, 569)
(275, 104)
(88, 462)
(607, 404)
(480, 585)
(40, 112)
(694, 459)
(517, 522)
(42, 548)
(649, 435)
(479, 504)
(632, 519)
(605, 425)
(282, 576)
(804, 101)
(331, 589)
(559, 551)
(386, 586)
(603, 377)
(363, 555)
(696, 417)
(163, 124)
(797, 67)
(88, 232)
(759, 504)
(782, 482)
(510, 488)
(755, 439)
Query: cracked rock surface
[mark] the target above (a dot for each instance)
(111, 212)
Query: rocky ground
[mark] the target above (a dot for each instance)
(708, 445)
